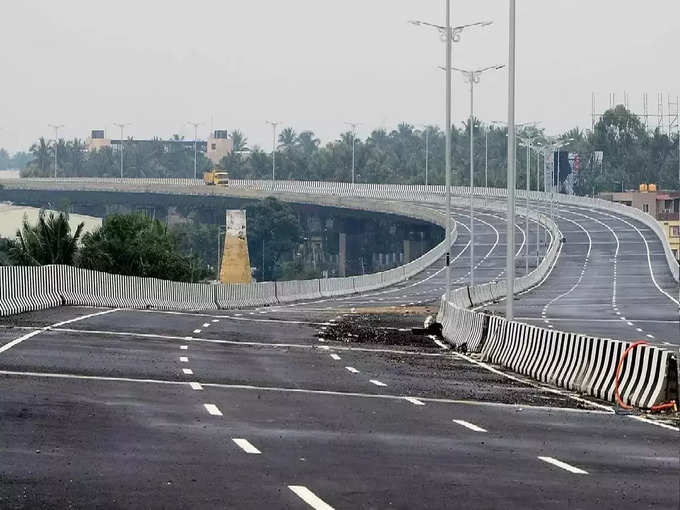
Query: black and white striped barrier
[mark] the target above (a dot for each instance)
(27, 288)
(582, 363)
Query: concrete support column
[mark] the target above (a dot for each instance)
(342, 255)
(407, 251)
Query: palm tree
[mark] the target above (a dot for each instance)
(308, 142)
(48, 242)
(239, 140)
(42, 156)
(287, 138)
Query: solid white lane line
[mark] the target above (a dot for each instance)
(183, 359)
(17, 341)
(563, 465)
(307, 391)
(184, 347)
(469, 425)
(246, 446)
(197, 331)
(309, 497)
(188, 337)
(335, 357)
(352, 369)
(414, 401)
(212, 409)
(378, 383)
(196, 386)
(188, 371)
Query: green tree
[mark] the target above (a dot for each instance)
(240, 142)
(273, 227)
(136, 245)
(41, 153)
(49, 241)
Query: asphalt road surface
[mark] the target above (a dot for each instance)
(262, 409)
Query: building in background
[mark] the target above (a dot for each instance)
(218, 146)
(662, 204)
(215, 148)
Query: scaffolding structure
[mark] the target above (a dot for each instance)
(666, 118)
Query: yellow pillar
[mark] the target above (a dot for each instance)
(235, 260)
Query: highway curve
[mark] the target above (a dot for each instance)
(265, 408)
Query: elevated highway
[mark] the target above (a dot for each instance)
(267, 407)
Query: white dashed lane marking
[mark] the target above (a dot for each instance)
(188, 371)
(212, 409)
(414, 401)
(335, 357)
(246, 446)
(469, 425)
(215, 320)
(352, 369)
(310, 498)
(563, 465)
(197, 331)
(183, 359)
(196, 386)
(184, 347)
(377, 383)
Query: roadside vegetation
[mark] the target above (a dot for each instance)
(632, 155)
(137, 245)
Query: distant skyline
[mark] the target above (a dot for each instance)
(318, 64)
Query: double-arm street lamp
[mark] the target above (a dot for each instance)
(354, 135)
(195, 124)
(449, 35)
(473, 77)
(56, 128)
(426, 129)
(273, 124)
(122, 126)
(527, 141)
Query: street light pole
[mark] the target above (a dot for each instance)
(122, 143)
(427, 151)
(538, 195)
(195, 124)
(510, 227)
(449, 43)
(527, 141)
(473, 77)
(450, 35)
(354, 130)
(486, 163)
(273, 125)
(56, 128)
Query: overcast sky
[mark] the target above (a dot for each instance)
(315, 64)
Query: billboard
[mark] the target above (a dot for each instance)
(568, 168)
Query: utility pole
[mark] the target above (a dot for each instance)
(122, 143)
(56, 128)
(273, 125)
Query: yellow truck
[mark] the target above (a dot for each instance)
(216, 178)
